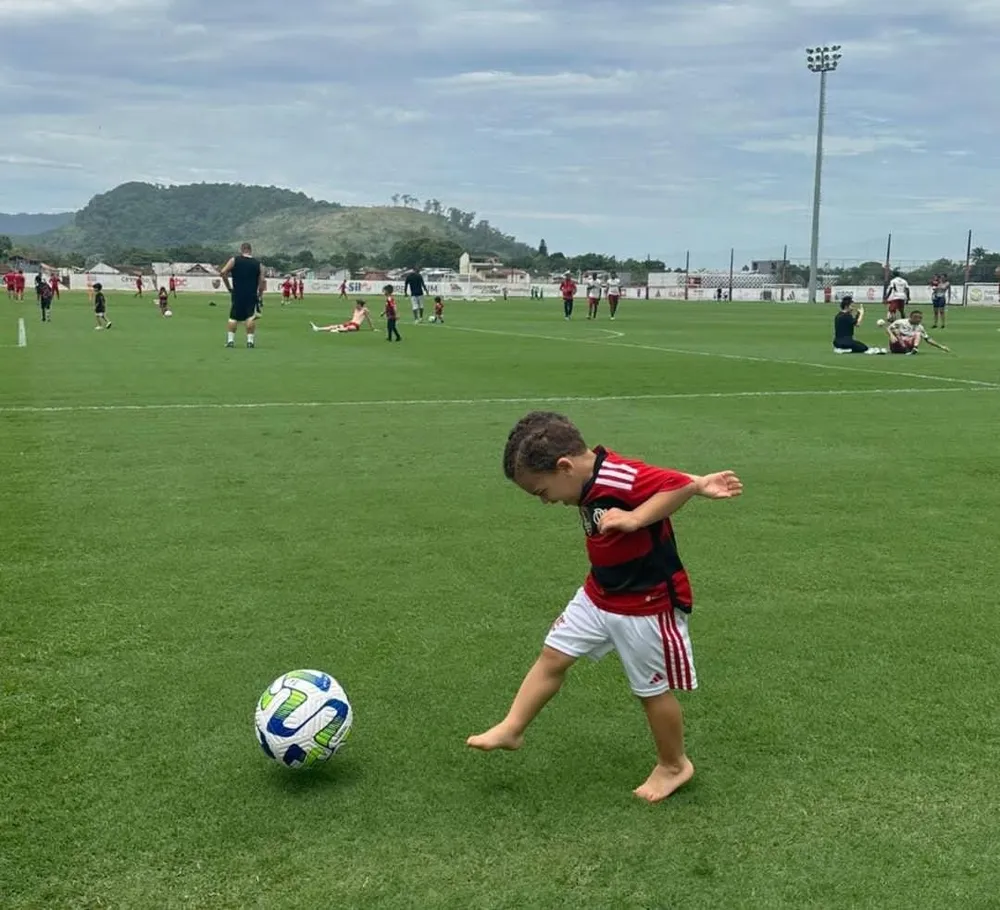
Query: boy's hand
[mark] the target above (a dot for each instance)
(618, 520)
(723, 485)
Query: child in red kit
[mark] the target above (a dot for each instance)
(636, 597)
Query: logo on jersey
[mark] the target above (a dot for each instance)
(591, 518)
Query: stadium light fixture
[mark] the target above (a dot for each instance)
(823, 60)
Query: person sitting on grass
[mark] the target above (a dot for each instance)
(906, 335)
(844, 323)
(358, 317)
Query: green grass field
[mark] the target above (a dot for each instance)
(182, 523)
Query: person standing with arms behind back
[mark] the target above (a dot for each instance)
(244, 279)
(416, 288)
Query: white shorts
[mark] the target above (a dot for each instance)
(417, 303)
(655, 651)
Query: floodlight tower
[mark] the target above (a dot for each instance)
(820, 60)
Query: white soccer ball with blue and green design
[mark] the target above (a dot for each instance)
(303, 718)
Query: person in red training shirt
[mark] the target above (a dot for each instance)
(172, 284)
(10, 281)
(438, 316)
(391, 314)
(19, 282)
(300, 289)
(286, 291)
(568, 291)
(54, 285)
(636, 597)
(138, 286)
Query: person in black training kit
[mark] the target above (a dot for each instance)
(100, 307)
(416, 288)
(844, 324)
(245, 289)
(45, 300)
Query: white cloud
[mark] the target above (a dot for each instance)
(833, 146)
(775, 207)
(563, 83)
(35, 9)
(28, 161)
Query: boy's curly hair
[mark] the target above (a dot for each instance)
(538, 441)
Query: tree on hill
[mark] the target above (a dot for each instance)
(422, 250)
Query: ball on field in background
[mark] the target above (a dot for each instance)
(880, 323)
(168, 313)
(303, 718)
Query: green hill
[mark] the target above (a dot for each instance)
(277, 221)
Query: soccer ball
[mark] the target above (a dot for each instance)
(303, 718)
(880, 323)
(168, 313)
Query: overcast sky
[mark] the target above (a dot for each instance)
(628, 127)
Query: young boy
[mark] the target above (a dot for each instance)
(45, 301)
(391, 315)
(636, 597)
(100, 307)
(164, 301)
(438, 316)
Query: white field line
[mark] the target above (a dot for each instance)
(429, 402)
(606, 342)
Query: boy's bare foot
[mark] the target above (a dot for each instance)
(498, 737)
(663, 781)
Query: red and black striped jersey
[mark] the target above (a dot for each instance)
(640, 573)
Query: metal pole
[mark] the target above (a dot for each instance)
(784, 271)
(732, 259)
(687, 274)
(885, 268)
(817, 187)
(968, 271)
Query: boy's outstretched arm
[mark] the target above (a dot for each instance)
(722, 485)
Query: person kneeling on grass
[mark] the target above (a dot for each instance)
(358, 317)
(636, 597)
(844, 323)
(905, 335)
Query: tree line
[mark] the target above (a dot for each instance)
(425, 250)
